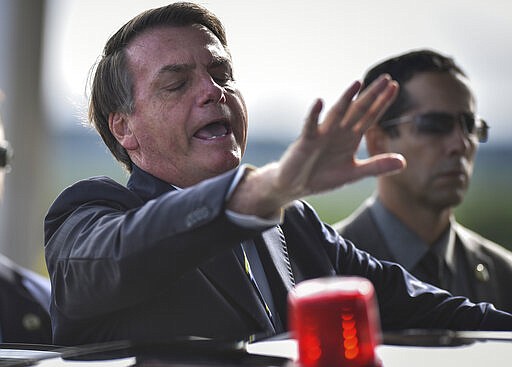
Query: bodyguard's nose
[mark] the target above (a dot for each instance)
(459, 140)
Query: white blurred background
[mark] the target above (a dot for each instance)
(288, 52)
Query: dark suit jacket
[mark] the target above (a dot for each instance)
(492, 286)
(148, 262)
(24, 301)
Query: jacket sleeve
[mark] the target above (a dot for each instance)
(404, 301)
(105, 247)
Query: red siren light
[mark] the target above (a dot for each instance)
(335, 321)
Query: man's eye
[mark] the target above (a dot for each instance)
(223, 79)
(175, 86)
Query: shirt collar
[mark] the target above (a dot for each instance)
(405, 245)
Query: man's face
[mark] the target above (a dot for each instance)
(190, 120)
(439, 167)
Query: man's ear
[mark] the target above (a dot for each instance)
(120, 128)
(376, 141)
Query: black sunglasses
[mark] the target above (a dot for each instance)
(6, 154)
(441, 123)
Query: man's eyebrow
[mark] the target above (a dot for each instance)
(220, 61)
(169, 70)
(175, 68)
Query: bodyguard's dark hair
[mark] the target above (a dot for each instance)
(112, 85)
(403, 67)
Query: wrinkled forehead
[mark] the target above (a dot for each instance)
(171, 48)
(168, 47)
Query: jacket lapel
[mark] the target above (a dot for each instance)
(366, 231)
(481, 266)
(227, 275)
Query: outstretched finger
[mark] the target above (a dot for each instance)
(339, 109)
(378, 107)
(366, 100)
(310, 127)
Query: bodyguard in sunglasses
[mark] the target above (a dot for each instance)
(409, 220)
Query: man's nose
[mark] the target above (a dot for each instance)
(460, 140)
(210, 91)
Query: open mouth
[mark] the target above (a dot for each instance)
(214, 130)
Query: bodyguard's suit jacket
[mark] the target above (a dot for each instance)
(147, 262)
(492, 285)
(24, 302)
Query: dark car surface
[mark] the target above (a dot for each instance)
(413, 348)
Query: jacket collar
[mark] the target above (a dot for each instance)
(147, 186)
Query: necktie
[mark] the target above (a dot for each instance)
(250, 274)
(274, 243)
(430, 268)
(250, 259)
(284, 249)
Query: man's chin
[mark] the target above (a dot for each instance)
(449, 200)
(223, 164)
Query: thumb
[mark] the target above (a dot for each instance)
(381, 164)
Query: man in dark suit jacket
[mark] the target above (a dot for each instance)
(410, 220)
(24, 303)
(195, 244)
(24, 295)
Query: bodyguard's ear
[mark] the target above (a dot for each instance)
(376, 141)
(120, 127)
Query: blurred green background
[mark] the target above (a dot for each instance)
(487, 208)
